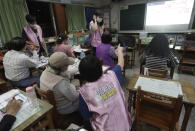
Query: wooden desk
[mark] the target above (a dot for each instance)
(45, 112)
(188, 98)
(50, 40)
(177, 47)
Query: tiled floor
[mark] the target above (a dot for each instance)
(185, 77)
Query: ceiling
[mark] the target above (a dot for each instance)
(95, 3)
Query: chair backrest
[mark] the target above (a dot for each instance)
(48, 96)
(60, 121)
(157, 104)
(189, 51)
(154, 72)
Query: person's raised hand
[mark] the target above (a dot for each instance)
(119, 49)
(95, 18)
(120, 56)
(13, 107)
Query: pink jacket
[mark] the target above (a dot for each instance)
(64, 48)
(32, 36)
(95, 36)
(106, 100)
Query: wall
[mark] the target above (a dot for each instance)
(115, 9)
(115, 16)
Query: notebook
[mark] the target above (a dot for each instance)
(24, 113)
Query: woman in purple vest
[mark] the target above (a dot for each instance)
(102, 100)
(105, 51)
(96, 27)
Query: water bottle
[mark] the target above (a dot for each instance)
(82, 55)
(35, 55)
(32, 98)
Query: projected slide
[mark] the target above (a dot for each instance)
(169, 12)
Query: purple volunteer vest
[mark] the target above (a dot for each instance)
(96, 37)
(106, 100)
(32, 36)
(103, 52)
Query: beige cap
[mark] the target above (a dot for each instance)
(60, 59)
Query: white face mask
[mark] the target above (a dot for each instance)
(99, 19)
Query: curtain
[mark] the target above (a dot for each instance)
(76, 17)
(89, 11)
(12, 18)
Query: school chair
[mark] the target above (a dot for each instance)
(126, 60)
(4, 87)
(187, 62)
(139, 46)
(131, 58)
(5, 84)
(60, 121)
(153, 72)
(158, 110)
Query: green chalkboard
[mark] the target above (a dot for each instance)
(193, 24)
(133, 17)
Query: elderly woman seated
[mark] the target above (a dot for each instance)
(54, 78)
(17, 64)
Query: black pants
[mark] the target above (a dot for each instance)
(94, 51)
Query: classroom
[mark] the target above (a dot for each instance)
(97, 65)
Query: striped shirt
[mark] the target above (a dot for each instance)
(154, 62)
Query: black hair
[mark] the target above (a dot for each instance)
(106, 37)
(159, 46)
(98, 14)
(61, 37)
(16, 43)
(30, 18)
(90, 68)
